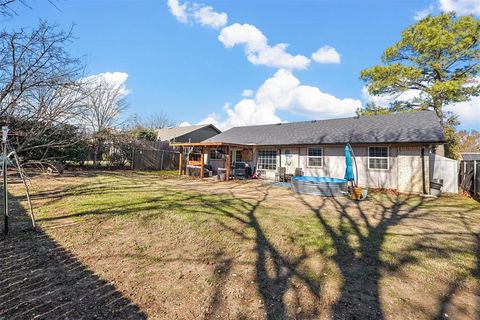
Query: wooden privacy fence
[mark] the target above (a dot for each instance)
(155, 156)
(469, 177)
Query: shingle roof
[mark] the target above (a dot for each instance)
(420, 126)
(168, 134)
(470, 156)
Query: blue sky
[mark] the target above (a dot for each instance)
(179, 66)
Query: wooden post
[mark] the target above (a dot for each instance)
(202, 169)
(227, 165)
(180, 160)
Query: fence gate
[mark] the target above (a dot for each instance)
(469, 177)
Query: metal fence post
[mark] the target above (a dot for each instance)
(5, 180)
(475, 178)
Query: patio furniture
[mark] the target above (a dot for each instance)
(240, 170)
(259, 173)
(298, 172)
(281, 174)
(222, 174)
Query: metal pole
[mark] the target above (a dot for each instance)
(474, 178)
(424, 187)
(32, 217)
(5, 186)
(5, 192)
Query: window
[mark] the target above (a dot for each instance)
(215, 154)
(267, 159)
(315, 157)
(238, 155)
(378, 158)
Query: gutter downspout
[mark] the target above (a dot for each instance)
(424, 187)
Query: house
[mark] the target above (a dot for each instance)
(159, 155)
(470, 156)
(391, 151)
(195, 133)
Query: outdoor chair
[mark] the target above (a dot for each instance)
(240, 170)
(281, 174)
(298, 172)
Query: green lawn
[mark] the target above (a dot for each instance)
(182, 248)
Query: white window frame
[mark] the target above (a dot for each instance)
(267, 150)
(388, 158)
(308, 157)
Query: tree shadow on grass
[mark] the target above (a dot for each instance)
(40, 279)
(274, 271)
(457, 284)
(358, 242)
(359, 261)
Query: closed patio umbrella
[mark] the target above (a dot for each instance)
(349, 176)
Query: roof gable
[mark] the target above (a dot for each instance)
(168, 134)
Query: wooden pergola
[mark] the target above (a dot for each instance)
(205, 147)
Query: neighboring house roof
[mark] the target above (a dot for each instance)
(169, 134)
(470, 156)
(422, 126)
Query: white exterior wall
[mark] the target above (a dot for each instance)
(333, 162)
(334, 166)
(404, 171)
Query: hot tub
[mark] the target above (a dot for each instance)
(324, 186)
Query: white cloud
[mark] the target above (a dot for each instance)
(283, 91)
(116, 79)
(419, 15)
(207, 17)
(203, 15)
(257, 49)
(178, 10)
(326, 54)
(184, 124)
(468, 112)
(385, 100)
(462, 7)
(247, 93)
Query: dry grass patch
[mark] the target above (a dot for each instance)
(181, 248)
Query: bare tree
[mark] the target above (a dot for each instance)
(34, 60)
(44, 112)
(6, 9)
(39, 88)
(103, 105)
(104, 102)
(159, 120)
